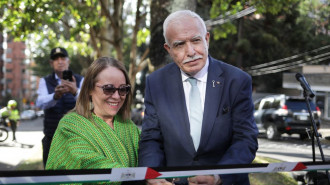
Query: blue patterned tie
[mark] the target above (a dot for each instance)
(196, 113)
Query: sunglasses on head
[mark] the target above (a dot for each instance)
(109, 89)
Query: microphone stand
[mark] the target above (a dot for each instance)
(316, 135)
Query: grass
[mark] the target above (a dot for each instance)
(280, 178)
(31, 165)
(34, 162)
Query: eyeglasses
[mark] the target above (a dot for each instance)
(109, 89)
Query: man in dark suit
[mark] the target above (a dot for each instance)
(221, 131)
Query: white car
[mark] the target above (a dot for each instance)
(40, 113)
(28, 115)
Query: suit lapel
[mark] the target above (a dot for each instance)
(180, 117)
(214, 90)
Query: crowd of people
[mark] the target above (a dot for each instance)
(198, 111)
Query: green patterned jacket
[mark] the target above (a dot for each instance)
(80, 143)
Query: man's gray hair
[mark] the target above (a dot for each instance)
(179, 14)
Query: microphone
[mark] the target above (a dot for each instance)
(304, 84)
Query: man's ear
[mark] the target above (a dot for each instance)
(167, 47)
(207, 38)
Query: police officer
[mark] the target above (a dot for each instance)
(12, 114)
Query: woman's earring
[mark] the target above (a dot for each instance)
(90, 103)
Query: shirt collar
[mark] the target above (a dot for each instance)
(56, 77)
(200, 76)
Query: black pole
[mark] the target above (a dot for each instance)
(315, 135)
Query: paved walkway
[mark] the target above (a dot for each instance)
(325, 129)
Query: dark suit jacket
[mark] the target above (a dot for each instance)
(229, 133)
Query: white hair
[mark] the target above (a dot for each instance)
(178, 15)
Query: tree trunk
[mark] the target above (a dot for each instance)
(239, 59)
(105, 46)
(133, 56)
(111, 32)
(160, 9)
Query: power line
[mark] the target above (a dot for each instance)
(220, 20)
(287, 59)
(261, 69)
(288, 64)
(295, 65)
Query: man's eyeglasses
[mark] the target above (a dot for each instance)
(109, 89)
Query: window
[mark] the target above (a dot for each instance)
(277, 104)
(25, 81)
(256, 105)
(268, 103)
(8, 60)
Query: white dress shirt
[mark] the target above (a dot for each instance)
(46, 100)
(201, 77)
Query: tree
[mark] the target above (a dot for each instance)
(273, 36)
(99, 23)
(160, 9)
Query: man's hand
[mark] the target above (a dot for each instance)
(158, 182)
(205, 180)
(59, 91)
(71, 87)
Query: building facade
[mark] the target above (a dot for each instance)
(17, 80)
(2, 57)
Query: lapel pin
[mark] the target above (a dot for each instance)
(213, 81)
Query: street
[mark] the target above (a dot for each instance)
(29, 136)
(28, 144)
(291, 149)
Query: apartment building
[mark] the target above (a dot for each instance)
(1, 67)
(17, 80)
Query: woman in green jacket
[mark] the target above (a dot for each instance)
(98, 132)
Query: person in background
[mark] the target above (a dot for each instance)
(199, 110)
(56, 96)
(98, 132)
(11, 114)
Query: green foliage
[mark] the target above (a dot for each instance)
(81, 26)
(243, 46)
(142, 36)
(294, 29)
(47, 24)
(222, 31)
(78, 53)
(224, 8)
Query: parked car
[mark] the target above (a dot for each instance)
(279, 114)
(28, 114)
(40, 113)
